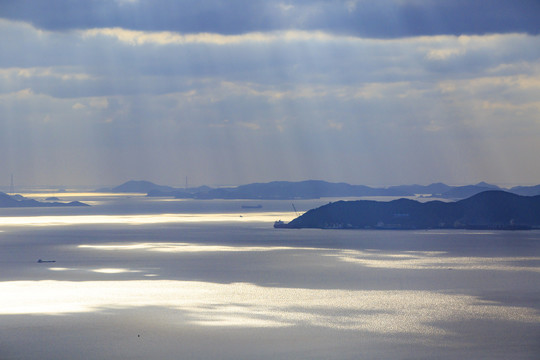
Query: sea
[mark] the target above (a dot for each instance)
(134, 277)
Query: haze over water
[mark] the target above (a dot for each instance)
(143, 278)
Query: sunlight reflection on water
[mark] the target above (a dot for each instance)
(425, 260)
(189, 247)
(419, 260)
(248, 305)
(100, 270)
(208, 278)
(142, 219)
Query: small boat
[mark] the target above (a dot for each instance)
(46, 261)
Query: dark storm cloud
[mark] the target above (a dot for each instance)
(378, 19)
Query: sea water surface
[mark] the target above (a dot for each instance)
(144, 278)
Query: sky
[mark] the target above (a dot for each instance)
(387, 92)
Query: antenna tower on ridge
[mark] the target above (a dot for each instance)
(11, 186)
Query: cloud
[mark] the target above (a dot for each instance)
(133, 37)
(249, 125)
(108, 62)
(444, 54)
(264, 105)
(380, 19)
(99, 103)
(335, 125)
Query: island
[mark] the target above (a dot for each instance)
(492, 209)
(20, 201)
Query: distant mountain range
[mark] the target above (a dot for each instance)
(20, 201)
(313, 189)
(151, 189)
(310, 189)
(492, 209)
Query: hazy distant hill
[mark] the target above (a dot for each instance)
(490, 209)
(19, 201)
(310, 189)
(138, 186)
(446, 191)
(152, 189)
(526, 190)
(188, 193)
(462, 192)
(486, 185)
(432, 189)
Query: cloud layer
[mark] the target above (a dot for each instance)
(378, 19)
(110, 91)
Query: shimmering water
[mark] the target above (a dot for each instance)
(146, 278)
